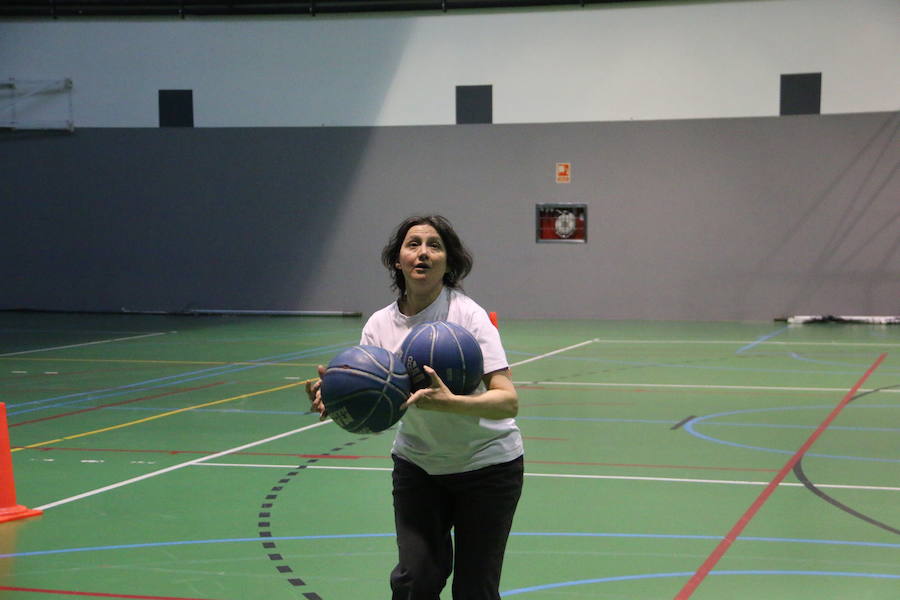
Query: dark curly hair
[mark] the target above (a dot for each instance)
(459, 260)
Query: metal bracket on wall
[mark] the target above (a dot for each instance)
(14, 91)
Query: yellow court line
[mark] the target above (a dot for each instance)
(160, 416)
(159, 362)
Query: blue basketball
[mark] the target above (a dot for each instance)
(447, 348)
(363, 388)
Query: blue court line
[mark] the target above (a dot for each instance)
(815, 361)
(243, 411)
(350, 536)
(597, 420)
(169, 380)
(208, 372)
(762, 339)
(707, 367)
(674, 422)
(638, 363)
(550, 586)
(523, 418)
(690, 428)
(831, 428)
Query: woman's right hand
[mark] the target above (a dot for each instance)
(314, 392)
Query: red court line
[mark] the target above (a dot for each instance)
(84, 410)
(91, 594)
(641, 466)
(732, 535)
(158, 451)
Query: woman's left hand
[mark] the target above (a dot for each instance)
(434, 397)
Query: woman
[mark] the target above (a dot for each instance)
(458, 460)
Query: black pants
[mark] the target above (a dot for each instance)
(478, 506)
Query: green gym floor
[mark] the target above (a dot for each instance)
(174, 458)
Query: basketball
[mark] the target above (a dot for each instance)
(447, 348)
(363, 388)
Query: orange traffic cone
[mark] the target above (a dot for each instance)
(494, 320)
(9, 510)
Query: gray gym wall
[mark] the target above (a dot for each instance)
(702, 203)
(721, 219)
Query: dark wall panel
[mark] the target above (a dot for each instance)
(176, 108)
(474, 104)
(801, 94)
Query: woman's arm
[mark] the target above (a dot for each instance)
(499, 401)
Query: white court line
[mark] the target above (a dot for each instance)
(720, 481)
(259, 466)
(534, 358)
(178, 466)
(122, 339)
(764, 388)
(201, 460)
(763, 343)
(575, 476)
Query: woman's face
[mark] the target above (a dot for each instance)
(423, 258)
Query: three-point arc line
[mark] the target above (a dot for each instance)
(738, 527)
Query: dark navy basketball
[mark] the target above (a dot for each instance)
(447, 348)
(363, 388)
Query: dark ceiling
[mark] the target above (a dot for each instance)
(183, 8)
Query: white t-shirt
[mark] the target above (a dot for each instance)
(438, 442)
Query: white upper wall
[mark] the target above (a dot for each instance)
(598, 63)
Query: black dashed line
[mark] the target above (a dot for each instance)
(684, 421)
(266, 525)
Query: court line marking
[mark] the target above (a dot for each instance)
(205, 458)
(154, 417)
(762, 339)
(294, 466)
(562, 584)
(761, 388)
(688, 589)
(735, 342)
(719, 481)
(546, 354)
(576, 476)
(351, 457)
(115, 404)
(180, 465)
(691, 428)
(159, 361)
(169, 380)
(93, 594)
(357, 536)
(107, 341)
